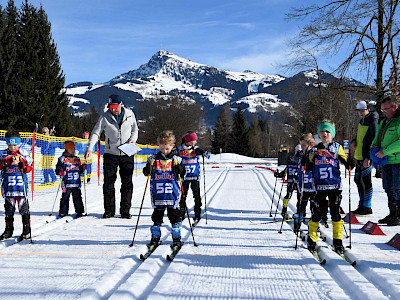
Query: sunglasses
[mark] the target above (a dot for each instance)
(386, 109)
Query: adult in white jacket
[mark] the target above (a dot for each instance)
(120, 127)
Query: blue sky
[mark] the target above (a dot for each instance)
(98, 40)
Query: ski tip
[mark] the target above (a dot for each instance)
(169, 258)
(141, 257)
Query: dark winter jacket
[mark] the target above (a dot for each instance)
(365, 135)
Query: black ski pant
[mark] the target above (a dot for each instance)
(76, 198)
(321, 205)
(174, 215)
(126, 166)
(195, 186)
(302, 202)
(291, 186)
(9, 206)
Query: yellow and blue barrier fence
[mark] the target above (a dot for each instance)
(45, 151)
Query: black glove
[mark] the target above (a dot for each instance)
(149, 170)
(320, 146)
(82, 168)
(304, 160)
(199, 151)
(22, 166)
(280, 174)
(7, 161)
(179, 170)
(351, 163)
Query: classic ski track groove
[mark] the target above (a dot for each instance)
(336, 265)
(49, 224)
(146, 274)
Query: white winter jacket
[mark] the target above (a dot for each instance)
(115, 135)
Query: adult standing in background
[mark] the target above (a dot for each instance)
(48, 151)
(365, 135)
(386, 144)
(120, 127)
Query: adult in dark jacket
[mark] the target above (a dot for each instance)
(120, 127)
(365, 135)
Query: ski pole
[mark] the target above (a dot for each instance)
(349, 209)
(273, 194)
(205, 193)
(51, 213)
(84, 187)
(191, 228)
(279, 199)
(27, 203)
(141, 205)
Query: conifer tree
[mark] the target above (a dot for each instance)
(222, 129)
(255, 138)
(239, 134)
(31, 79)
(8, 73)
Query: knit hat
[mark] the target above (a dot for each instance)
(327, 126)
(362, 105)
(114, 101)
(69, 145)
(190, 137)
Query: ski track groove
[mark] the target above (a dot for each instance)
(156, 265)
(343, 273)
(144, 274)
(265, 286)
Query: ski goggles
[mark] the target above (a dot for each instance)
(13, 141)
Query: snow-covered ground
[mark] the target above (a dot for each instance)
(238, 255)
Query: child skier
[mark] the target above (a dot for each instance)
(305, 187)
(290, 171)
(15, 163)
(324, 164)
(190, 153)
(70, 168)
(166, 171)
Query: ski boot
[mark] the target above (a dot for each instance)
(338, 246)
(176, 243)
(8, 231)
(26, 229)
(311, 245)
(197, 218)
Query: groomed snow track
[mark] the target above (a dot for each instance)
(226, 264)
